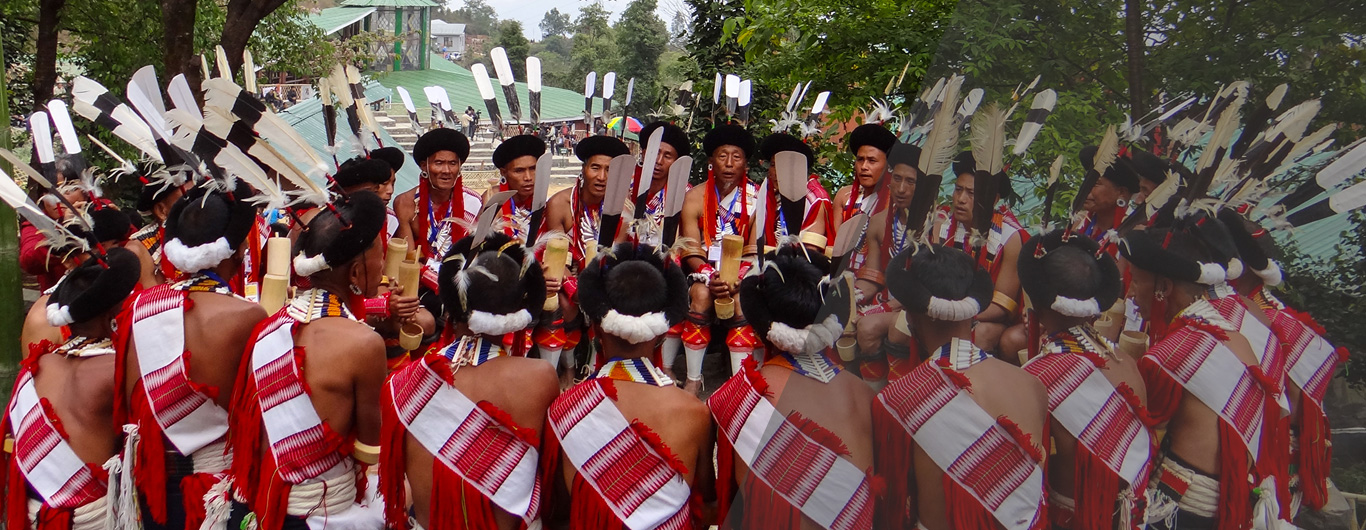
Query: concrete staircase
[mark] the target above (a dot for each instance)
(480, 164)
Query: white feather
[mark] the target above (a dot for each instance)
(1350, 162)
(223, 93)
(131, 128)
(181, 95)
(41, 127)
(533, 74)
(941, 144)
(1107, 151)
(988, 138)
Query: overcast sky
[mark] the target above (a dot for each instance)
(530, 12)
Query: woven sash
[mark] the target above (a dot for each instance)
(291, 423)
(467, 440)
(44, 457)
(631, 478)
(1214, 375)
(827, 488)
(1310, 357)
(953, 232)
(968, 444)
(1265, 344)
(189, 419)
(1094, 412)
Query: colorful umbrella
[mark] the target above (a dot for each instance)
(632, 124)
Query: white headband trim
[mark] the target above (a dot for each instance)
(1073, 307)
(810, 339)
(305, 266)
(1212, 274)
(59, 315)
(1235, 269)
(1271, 275)
(199, 257)
(485, 323)
(952, 310)
(635, 329)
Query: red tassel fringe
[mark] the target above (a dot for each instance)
(15, 499)
(1235, 493)
(726, 487)
(1135, 404)
(645, 433)
(503, 418)
(393, 463)
(1164, 393)
(193, 488)
(764, 508)
(589, 511)
(1096, 489)
(150, 471)
(1315, 454)
(473, 511)
(52, 519)
(959, 380)
(819, 434)
(897, 508)
(1025, 441)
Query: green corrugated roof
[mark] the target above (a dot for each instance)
(307, 118)
(333, 19)
(556, 103)
(390, 3)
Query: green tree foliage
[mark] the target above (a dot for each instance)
(641, 37)
(478, 17)
(594, 45)
(1333, 291)
(555, 52)
(556, 24)
(512, 40)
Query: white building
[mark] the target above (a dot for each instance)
(448, 38)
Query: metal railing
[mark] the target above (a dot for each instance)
(1353, 500)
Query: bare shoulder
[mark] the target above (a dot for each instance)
(696, 193)
(226, 310)
(340, 337)
(843, 193)
(560, 199)
(534, 378)
(683, 404)
(854, 386)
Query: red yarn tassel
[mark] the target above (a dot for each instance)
(393, 468)
(1235, 493)
(1096, 491)
(504, 419)
(1023, 439)
(589, 511)
(1164, 393)
(726, 487)
(818, 434)
(15, 499)
(655, 442)
(193, 488)
(1316, 454)
(765, 508)
(897, 508)
(1157, 319)
(150, 469)
(52, 519)
(965, 512)
(455, 504)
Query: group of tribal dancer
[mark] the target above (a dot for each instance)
(896, 363)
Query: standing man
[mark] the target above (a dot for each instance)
(305, 415)
(962, 438)
(720, 207)
(516, 160)
(57, 424)
(954, 227)
(795, 433)
(1203, 383)
(462, 427)
(1104, 448)
(179, 401)
(636, 427)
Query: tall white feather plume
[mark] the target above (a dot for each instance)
(220, 58)
(1350, 162)
(145, 95)
(181, 95)
(223, 93)
(41, 126)
(15, 197)
(1055, 170)
(1224, 129)
(988, 138)
(89, 97)
(248, 71)
(1043, 106)
(941, 144)
(1162, 193)
(970, 104)
(1107, 151)
(232, 160)
(367, 117)
(65, 129)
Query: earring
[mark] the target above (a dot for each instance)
(355, 290)
(113, 324)
(1121, 203)
(502, 180)
(1160, 296)
(423, 174)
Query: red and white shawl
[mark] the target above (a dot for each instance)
(975, 450)
(43, 462)
(463, 436)
(824, 486)
(1265, 344)
(640, 485)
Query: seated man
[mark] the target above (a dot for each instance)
(720, 207)
(816, 210)
(181, 348)
(638, 429)
(1104, 448)
(674, 144)
(956, 225)
(471, 397)
(962, 438)
(516, 160)
(798, 403)
(160, 191)
(310, 383)
(57, 422)
(1203, 383)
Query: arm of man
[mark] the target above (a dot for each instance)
(404, 210)
(841, 199)
(690, 227)
(1007, 291)
(870, 280)
(368, 382)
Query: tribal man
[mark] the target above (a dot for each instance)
(950, 431)
(179, 400)
(310, 385)
(630, 447)
(1104, 445)
(436, 212)
(57, 424)
(870, 144)
(470, 398)
(159, 193)
(883, 339)
(798, 403)
(516, 160)
(675, 144)
(817, 217)
(722, 206)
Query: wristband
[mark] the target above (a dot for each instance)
(378, 306)
(868, 275)
(1006, 303)
(366, 454)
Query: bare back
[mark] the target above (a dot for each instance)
(217, 328)
(81, 391)
(522, 387)
(344, 366)
(1001, 390)
(1193, 431)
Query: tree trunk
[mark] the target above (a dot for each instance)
(45, 57)
(1133, 34)
(177, 29)
(242, 18)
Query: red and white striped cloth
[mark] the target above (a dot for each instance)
(1311, 359)
(43, 456)
(968, 444)
(1213, 374)
(826, 487)
(467, 440)
(1093, 411)
(636, 482)
(188, 418)
(1264, 343)
(296, 434)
